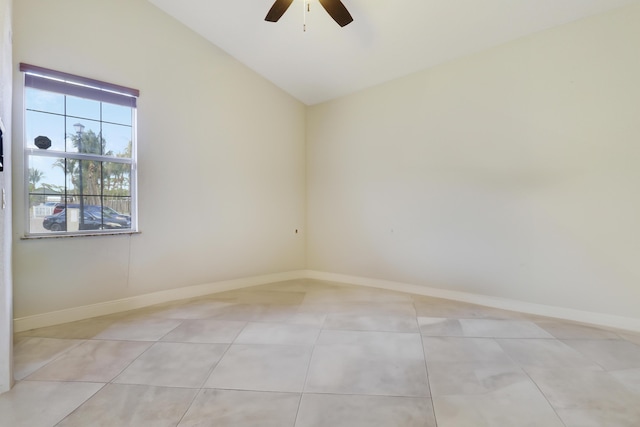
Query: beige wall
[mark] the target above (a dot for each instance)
(6, 317)
(510, 173)
(221, 159)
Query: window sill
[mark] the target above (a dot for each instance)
(65, 236)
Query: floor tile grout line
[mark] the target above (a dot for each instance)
(584, 355)
(329, 393)
(558, 341)
(83, 402)
(555, 411)
(152, 343)
(63, 381)
(306, 374)
(52, 360)
(426, 368)
(173, 329)
(213, 367)
(195, 396)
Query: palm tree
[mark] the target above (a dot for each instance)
(86, 142)
(116, 175)
(35, 176)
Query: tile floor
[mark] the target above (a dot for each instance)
(317, 354)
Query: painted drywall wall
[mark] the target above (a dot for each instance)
(220, 151)
(510, 173)
(6, 289)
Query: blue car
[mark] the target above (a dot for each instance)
(92, 221)
(95, 209)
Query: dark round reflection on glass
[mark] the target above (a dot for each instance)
(42, 142)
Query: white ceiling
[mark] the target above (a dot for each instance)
(388, 38)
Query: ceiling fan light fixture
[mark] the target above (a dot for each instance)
(277, 10)
(338, 11)
(335, 8)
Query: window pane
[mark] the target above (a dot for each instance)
(44, 101)
(115, 213)
(46, 176)
(117, 140)
(83, 108)
(46, 189)
(41, 215)
(92, 219)
(44, 124)
(117, 179)
(117, 114)
(84, 179)
(86, 138)
(117, 206)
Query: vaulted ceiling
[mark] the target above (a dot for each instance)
(388, 38)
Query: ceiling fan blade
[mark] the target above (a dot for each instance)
(277, 10)
(338, 11)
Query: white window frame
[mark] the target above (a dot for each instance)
(68, 84)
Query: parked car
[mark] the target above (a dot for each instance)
(60, 207)
(113, 213)
(92, 221)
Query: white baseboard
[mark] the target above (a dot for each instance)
(599, 319)
(117, 306)
(110, 307)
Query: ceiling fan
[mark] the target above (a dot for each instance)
(334, 8)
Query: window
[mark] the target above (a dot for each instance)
(80, 154)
